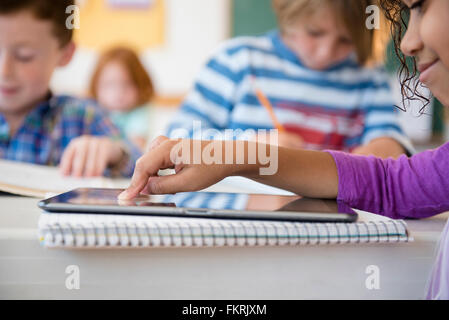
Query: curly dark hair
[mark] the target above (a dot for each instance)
(397, 13)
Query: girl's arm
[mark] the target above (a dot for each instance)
(414, 187)
(308, 173)
(408, 187)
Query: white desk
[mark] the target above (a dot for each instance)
(29, 271)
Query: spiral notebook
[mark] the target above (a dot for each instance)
(100, 231)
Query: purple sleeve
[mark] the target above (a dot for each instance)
(415, 187)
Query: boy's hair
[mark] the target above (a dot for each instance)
(351, 13)
(131, 62)
(51, 10)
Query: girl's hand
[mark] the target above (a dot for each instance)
(89, 156)
(164, 154)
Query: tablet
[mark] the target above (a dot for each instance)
(202, 205)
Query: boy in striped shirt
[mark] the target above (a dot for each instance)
(313, 71)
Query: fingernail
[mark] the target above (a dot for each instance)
(124, 195)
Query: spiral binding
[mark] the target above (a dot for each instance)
(174, 232)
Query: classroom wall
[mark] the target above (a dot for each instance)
(193, 28)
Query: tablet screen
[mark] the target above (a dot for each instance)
(106, 201)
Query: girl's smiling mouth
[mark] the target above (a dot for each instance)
(425, 69)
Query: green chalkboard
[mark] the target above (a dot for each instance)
(252, 17)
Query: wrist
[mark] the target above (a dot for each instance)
(244, 170)
(245, 162)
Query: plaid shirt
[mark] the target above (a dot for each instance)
(49, 127)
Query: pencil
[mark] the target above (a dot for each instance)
(267, 104)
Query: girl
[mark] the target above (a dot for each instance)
(122, 86)
(316, 71)
(415, 187)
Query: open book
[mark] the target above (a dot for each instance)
(40, 181)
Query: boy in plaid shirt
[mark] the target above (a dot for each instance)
(36, 126)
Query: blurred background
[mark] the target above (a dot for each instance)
(174, 38)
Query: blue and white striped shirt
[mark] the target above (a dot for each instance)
(339, 108)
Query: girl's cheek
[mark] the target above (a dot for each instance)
(440, 36)
(434, 27)
(133, 96)
(442, 47)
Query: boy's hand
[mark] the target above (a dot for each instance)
(381, 148)
(285, 139)
(89, 156)
(187, 177)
